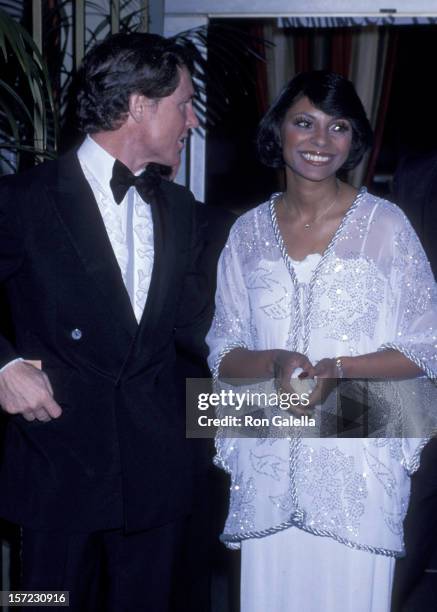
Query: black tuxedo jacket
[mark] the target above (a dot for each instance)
(117, 457)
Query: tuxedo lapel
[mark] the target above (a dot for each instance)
(78, 211)
(164, 253)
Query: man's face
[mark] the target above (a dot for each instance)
(167, 122)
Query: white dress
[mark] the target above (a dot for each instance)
(320, 519)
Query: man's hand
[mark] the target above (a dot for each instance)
(27, 391)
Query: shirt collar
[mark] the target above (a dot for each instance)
(97, 161)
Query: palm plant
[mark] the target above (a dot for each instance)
(27, 110)
(228, 45)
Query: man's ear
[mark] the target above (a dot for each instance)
(139, 105)
(136, 107)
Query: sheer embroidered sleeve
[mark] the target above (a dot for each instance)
(230, 325)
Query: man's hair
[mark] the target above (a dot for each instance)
(121, 65)
(330, 93)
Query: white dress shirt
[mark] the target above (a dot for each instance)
(129, 225)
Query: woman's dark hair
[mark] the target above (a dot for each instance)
(330, 93)
(121, 65)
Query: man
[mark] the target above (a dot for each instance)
(415, 191)
(98, 262)
(415, 579)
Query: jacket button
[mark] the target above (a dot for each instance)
(76, 334)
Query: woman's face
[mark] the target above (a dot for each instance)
(314, 144)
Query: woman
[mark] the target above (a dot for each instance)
(333, 281)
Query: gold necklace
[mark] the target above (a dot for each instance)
(308, 226)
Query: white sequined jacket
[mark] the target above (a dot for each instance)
(372, 289)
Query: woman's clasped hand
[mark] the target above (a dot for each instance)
(295, 374)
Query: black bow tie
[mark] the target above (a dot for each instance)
(146, 183)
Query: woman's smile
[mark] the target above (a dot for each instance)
(315, 145)
(316, 158)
